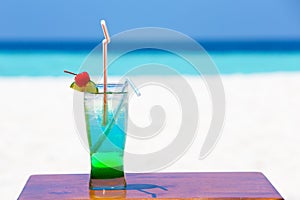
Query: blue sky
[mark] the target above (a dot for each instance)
(203, 19)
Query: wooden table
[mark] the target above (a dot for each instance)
(220, 185)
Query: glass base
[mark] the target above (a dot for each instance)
(107, 194)
(108, 184)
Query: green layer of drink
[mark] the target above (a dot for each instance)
(107, 165)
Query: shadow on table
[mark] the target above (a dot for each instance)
(143, 188)
(121, 192)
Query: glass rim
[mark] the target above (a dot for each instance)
(110, 84)
(112, 88)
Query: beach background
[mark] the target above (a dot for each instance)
(258, 56)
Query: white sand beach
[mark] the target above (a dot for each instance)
(261, 131)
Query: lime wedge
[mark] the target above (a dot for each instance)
(90, 87)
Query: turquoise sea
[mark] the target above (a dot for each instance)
(52, 62)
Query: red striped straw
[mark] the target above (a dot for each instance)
(104, 46)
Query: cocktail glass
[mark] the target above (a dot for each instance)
(106, 125)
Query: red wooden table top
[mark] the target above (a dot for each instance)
(213, 185)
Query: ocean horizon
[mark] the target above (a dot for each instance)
(231, 57)
(207, 44)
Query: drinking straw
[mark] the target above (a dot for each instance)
(105, 32)
(136, 90)
(104, 47)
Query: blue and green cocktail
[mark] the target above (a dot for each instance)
(106, 125)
